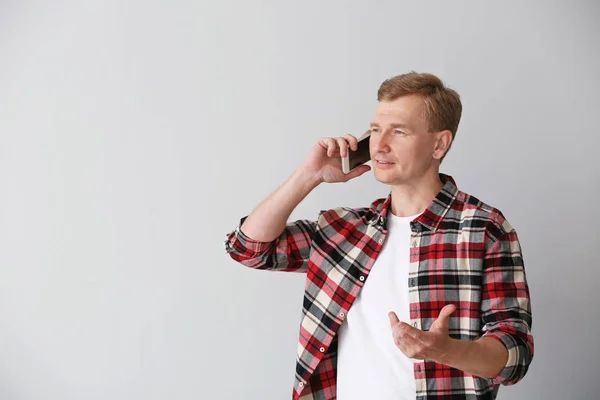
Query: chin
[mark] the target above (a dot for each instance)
(387, 177)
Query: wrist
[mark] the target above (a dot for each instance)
(306, 179)
(456, 349)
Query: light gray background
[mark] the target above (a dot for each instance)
(134, 135)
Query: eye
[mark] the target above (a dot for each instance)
(399, 132)
(374, 130)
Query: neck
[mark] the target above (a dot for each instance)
(412, 198)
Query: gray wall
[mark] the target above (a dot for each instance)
(133, 135)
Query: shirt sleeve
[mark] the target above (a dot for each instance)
(506, 306)
(288, 252)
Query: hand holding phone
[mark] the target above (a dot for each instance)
(324, 161)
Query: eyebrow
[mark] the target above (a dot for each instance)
(395, 125)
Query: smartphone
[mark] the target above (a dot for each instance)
(357, 158)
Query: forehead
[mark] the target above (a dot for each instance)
(406, 109)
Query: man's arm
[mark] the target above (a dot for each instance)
(484, 357)
(505, 350)
(323, 164)
(506, 303)
(267, 221)
(264, 239)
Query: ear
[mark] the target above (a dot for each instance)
(443, 140)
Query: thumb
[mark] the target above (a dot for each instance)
(443, 319)
(357, 172)
(393, 318)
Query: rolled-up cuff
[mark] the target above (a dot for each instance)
(237, 241)
(510, 373)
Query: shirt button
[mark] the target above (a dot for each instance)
(362, 278)
(342, 314)
(322, 349)
(301, 384)
(381, 221)
(380, 241)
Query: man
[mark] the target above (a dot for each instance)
(420, 295)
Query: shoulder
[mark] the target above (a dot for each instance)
(468, 207)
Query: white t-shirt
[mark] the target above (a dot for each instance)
(370, 366)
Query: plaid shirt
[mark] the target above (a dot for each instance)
(462, 252)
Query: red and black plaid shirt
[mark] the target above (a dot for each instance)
(462, 252)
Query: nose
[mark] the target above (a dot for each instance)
(380, 143)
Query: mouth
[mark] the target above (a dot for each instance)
(384, 162)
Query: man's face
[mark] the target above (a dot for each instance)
(402, 148)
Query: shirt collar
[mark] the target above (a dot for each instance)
(431, 217)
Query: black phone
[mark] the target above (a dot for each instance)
(359, 157)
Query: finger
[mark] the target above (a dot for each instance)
(405, 329)
(330, 145)
(442, 320)
(353, 141)
(343, 146)
(447, 311)
(393, 319)
(407, 344)
(414, 333)
(401, 344)
(412, 347)
(409, 340)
